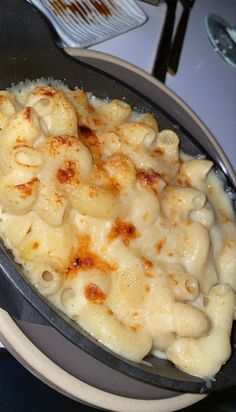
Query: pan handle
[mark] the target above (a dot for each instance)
(23, 27)
(28, 47)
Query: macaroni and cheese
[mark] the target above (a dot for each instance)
(130, 238)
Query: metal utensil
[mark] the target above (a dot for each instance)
(162, 57)
(178, 41)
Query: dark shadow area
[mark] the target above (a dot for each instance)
(20, 391)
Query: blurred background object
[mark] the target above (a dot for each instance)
(222, 37)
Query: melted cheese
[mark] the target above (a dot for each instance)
(119, 231)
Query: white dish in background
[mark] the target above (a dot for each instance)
(81, 23)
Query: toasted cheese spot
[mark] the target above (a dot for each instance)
(84, 259)
(149, 275)
(136, 328)
(44, 91)
(87, 260)
(85, 131)
(94, 294)
(3, 99)
(26, 188)
(160, 246)
(147, 177)
(111, 186)
(183, 180)
(89, 138)
(189, 222)
(124, 229)
(93, 192)
(172, 279)
(223, 216)
(63, 176)
(58, 197)
(160, 152)
(121, 163)
(109, 312)
(147, 263)
(22, 142)
(135, 313)
(66, 175)
(27, 113)
(147, 288)
(35, 245)
(190, 288)
(54, 144)
(145, 217)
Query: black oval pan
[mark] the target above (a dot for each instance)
(28, 51)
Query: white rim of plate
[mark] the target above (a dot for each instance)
(46, 370)
(49, 372)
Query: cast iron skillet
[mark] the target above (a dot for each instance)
(28, 51)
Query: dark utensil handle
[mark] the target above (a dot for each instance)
(161, 61)
(178, 42)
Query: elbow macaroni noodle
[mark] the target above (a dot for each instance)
(132, 240)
